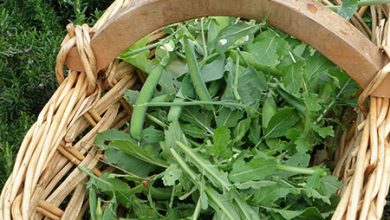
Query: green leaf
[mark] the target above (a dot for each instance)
(171, 175)
(151, 135)
(187, 88)
(172, 134)
(268, 195)
(246, 211)
(293, 77)
(348, 8)
(221, 141)
(241, 129)
(312, 103)
(303, 144)
(311, 213)
(194, 131)
(131, 148)
(329, 185)
(224, 208)
(228, 118)
(323, 131)
(199, 117)
(128, 163)
(268, 48)
(131, 96)
(255, 131)
(116, 187)
(139, 60)
(268, 111)
(216, 177)
(214, 70)
(231, 34)
(217, 24)
(256, 169)
(251, 84)
(280, 123)
(298, 160)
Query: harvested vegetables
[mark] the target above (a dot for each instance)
(235, 121)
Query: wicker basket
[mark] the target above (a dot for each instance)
(45, 182)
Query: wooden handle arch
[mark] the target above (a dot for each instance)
(307, 20)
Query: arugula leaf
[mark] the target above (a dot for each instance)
(147, 154)
(128, 163)
(268, 111)
(199, 117)
(280, 123)
(256, 169)
(217, 177)
(231, 34)
(268, 48)
(214, 70)
(151, 135)
(293, 77)
(267, 195)
(171, 175)
(228, 118)
(221, 142)
(250, 86)
(323, 131)
(308, 213)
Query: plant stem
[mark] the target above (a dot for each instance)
(192, 103)
(156, 120)
(333, 101)
(300, 170)
(205, 52)
(235, 83)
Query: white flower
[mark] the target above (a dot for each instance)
(223, 42)
(168, 47)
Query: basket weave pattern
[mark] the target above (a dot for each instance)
(46, 184)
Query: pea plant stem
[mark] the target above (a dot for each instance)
(300, 170)
(192, 103)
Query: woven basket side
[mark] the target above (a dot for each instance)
(45, 182)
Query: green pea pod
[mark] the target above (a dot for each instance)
(162, 98)
(140, 108)
(195, 74)
(175, 111)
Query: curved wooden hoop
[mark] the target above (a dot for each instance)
(310, 22)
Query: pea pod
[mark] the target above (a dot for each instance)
(175, 111)
(140, 108)
(162, 98)
(194, 72)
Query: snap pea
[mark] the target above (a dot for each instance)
(194, 72)
(146, 94)
(175, 111)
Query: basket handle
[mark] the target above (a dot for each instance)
(310, 22)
